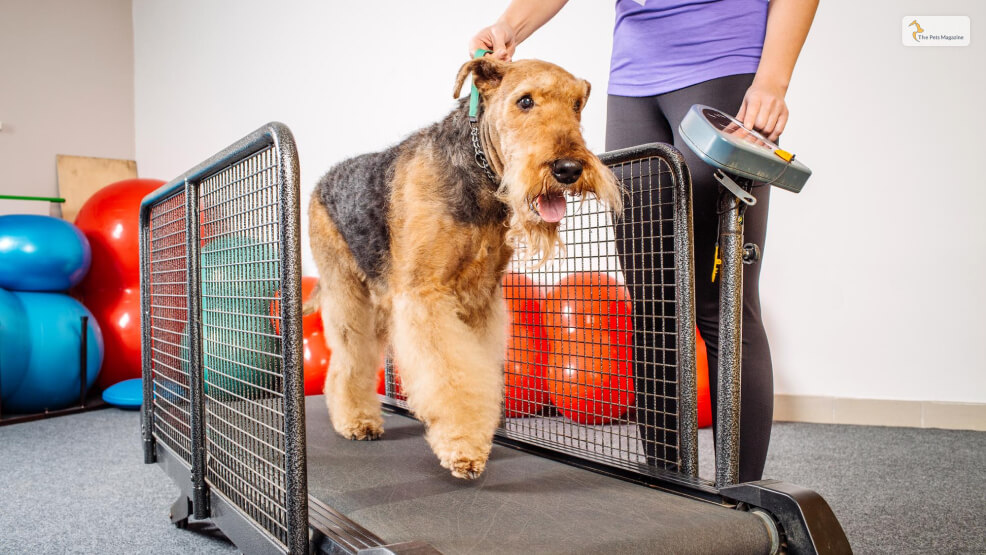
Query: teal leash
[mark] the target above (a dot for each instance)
(474, 94)
(473, 123)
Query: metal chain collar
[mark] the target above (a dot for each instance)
(481, 160)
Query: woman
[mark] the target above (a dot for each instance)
(734, 55)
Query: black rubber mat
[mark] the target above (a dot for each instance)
(395, 488)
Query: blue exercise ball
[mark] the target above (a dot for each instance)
(40, 253)
(14, 344)
(54, 328)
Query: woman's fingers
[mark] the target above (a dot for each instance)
(497, 38)
(764, 110)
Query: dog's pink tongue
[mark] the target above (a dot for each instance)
(551, 207)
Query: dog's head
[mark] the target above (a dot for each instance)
(531, 126)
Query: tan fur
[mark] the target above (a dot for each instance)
(438, 302)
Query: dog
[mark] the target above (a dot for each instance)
(411, 244)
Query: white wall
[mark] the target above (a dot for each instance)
(871, 279)
(66, 87)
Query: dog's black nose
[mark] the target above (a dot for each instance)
(566, 170)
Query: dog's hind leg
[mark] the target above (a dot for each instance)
(351, 331)
(350, 385)
(452, 373)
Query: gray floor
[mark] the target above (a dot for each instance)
(77, 484)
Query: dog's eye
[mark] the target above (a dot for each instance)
(578, 105)
(525, 102)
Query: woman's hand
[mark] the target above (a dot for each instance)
(519, 20)
(764, 109)
(499, 38)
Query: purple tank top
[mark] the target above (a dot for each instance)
(665, 45)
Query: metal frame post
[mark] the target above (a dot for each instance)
(200, 493)
(292, 344)
(730, 336)
(685, 306)
(147, 406)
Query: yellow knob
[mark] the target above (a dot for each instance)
(784, 155)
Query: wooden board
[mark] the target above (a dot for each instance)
(81, 176)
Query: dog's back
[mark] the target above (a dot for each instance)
(356, 195)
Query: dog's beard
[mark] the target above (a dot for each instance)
(599, 181)
(528, 192)
(529, 233)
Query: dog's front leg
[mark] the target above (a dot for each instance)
(452, 373)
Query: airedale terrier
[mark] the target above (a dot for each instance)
(411, 244)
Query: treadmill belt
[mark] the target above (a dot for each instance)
(395, 488)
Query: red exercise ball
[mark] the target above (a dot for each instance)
(588, 300)
(523, 298)
(704, 395)
(309, 322)
(317, 355)
(316, 352)
(382, 384)
(109, 219)
(589, 375)
(118, 314)
(591, 381)
(525, 392)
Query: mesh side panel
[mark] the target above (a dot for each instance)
(591, 366)
(168, 279)
(241, 344)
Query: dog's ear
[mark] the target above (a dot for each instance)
(486, 74)
(585, 95)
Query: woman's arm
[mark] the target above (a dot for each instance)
(763, 106)
(519, 21)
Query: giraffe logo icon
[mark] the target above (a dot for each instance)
(917, 30)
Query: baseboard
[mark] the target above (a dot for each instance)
(878, 412)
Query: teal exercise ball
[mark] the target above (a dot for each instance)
(54, 328)
(41, 253)
(241, 351)
(14, 344)
(242, 267)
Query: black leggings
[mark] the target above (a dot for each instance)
(636, 120)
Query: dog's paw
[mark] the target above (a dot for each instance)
(361, 430)
(465, 468)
